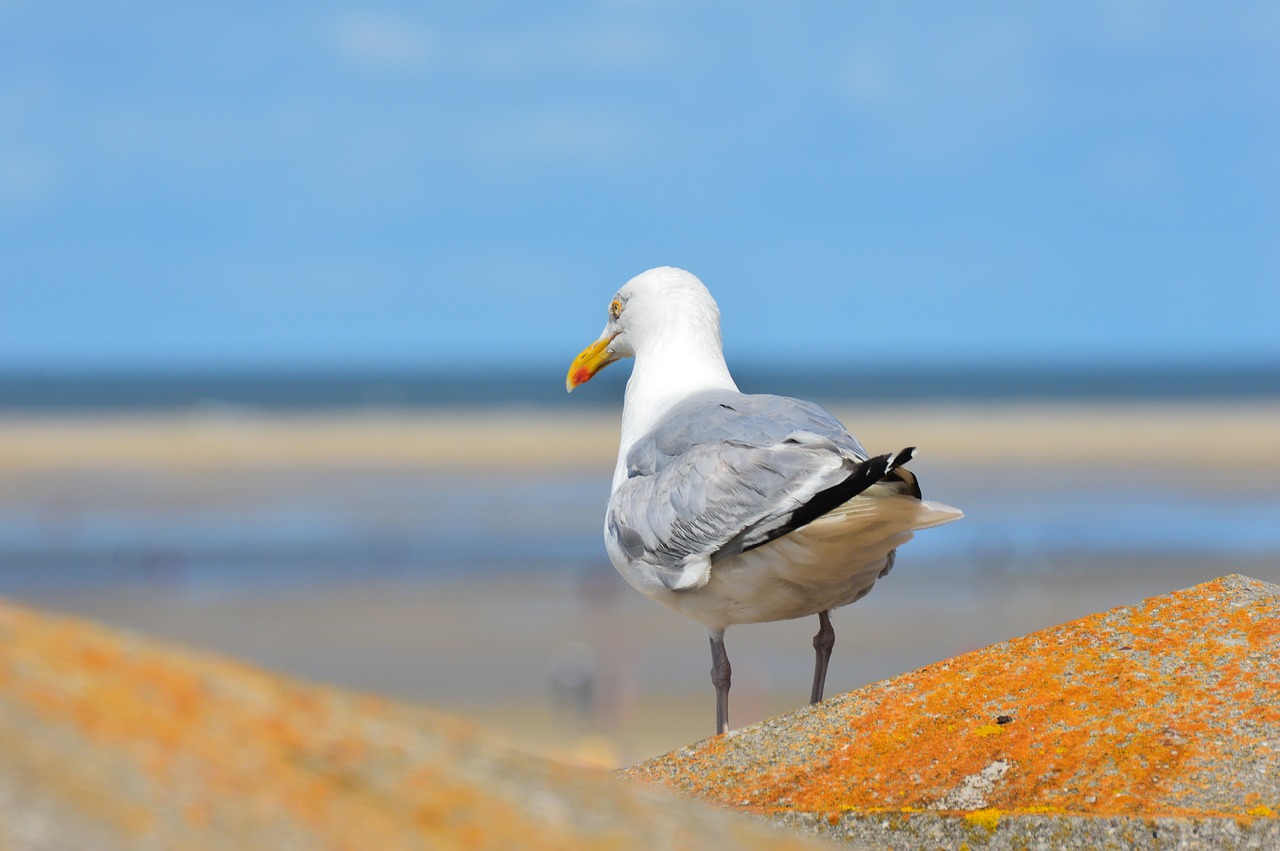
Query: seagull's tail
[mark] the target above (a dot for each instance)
(864, 475)
(926, 514)
(895, 483)
(886, 470)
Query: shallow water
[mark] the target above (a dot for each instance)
(242, 531)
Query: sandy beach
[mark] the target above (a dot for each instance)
(562, 655)
(1156, 435)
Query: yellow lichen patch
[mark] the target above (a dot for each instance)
(988, 730)
(988, 819)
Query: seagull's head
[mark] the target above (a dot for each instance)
(662, 304)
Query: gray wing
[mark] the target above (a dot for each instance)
(756, 420)
(718, 475)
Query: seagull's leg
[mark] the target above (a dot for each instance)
(822, 644)
(720, 674)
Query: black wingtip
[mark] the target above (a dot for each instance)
(898, 472)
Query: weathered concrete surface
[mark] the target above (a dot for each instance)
(1150, 726)
(108, 740)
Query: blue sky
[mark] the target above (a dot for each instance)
(466, 184)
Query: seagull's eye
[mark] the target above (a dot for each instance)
(615, 308)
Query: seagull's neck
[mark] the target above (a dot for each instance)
(667, 372)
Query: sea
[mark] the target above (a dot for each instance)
(252, 530)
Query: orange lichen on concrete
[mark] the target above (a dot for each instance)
(156, 747)
(1171, 707)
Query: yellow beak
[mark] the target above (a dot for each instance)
(591, 360)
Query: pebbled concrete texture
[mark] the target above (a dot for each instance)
(1147, 726)
(109, 740)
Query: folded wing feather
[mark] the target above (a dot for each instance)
(719, 475)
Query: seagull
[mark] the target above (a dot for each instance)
(735, 508)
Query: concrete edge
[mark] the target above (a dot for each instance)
(995, 830)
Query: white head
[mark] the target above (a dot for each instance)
(661, 309)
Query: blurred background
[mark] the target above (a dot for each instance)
(289, 293)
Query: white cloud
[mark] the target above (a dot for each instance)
(972, 63)
(381, 42)
(1136, 167)
(867, 78)
(556, 136)
(1130, 23)
(936, 93)
(574, 48)
(26, 178)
